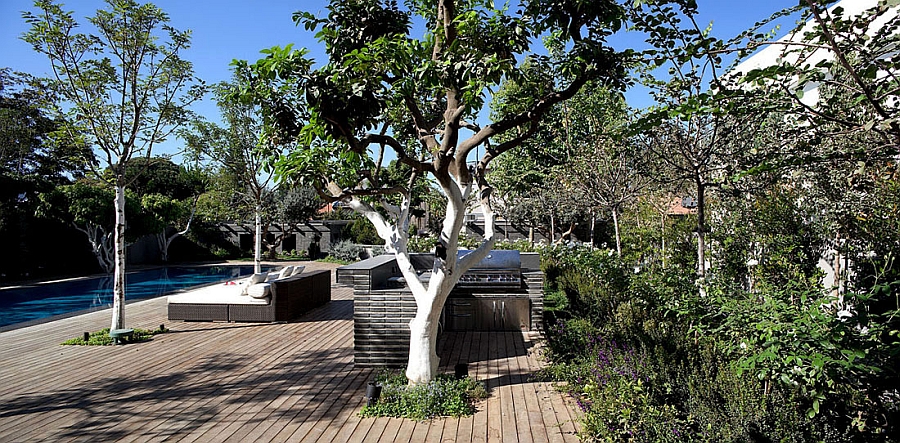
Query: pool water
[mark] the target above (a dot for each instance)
(30, 303)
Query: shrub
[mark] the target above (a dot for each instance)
(424, 243)
(293, 255)
(443, 396)
(346, 251)
(102, 338)
(361, 231)
(645, 357)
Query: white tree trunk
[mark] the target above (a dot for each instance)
(257, 249)
(423, 359)
(165, 242)
(615, 218)
(118, 311)
(552, 229)
(163, 245)
(101, 245)
(593, 228)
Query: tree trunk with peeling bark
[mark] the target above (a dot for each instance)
(118, 309)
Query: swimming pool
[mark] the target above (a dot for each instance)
(31, 303)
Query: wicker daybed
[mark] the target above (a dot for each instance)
(286, 299)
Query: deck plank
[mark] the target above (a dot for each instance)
(252, 382)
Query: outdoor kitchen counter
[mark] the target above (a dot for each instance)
(381, 313)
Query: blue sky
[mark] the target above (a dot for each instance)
(228, 29)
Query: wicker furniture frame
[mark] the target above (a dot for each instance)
(291, 298)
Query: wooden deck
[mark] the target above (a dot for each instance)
(212, 382)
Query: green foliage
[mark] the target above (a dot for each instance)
(159, 175)
(293, 255)
(125, 88)
(443, 396)
(346, 251)
(361, 231)
(595, 281)
(33, 149)
(649, 359)
(423, 243)
(102, 338)
(89, 205)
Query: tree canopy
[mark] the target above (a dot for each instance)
(382, 89)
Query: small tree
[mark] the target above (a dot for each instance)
(243, 153)
(125, 89)
(88, 207)
(690, 133)
(168, 194)
(292, 207)
(424, 95)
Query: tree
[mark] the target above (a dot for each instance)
(608, 178)
(604, 170)
(694, 131)
(169, 194)
(243, 153)
(836, 73)
(424, 96)
(33, 159)
(88, 207)
(29, 143)
(159, 175)
(125, 90)
(292, 207)
(528, 180)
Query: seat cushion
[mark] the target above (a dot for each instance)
(259, 290)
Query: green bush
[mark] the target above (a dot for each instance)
(346, 251)
(423, 243)
(362, 231)
(443, 396)
(293, 255)
(650, 359)
(102, 338)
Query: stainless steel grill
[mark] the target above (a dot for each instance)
(499, 269)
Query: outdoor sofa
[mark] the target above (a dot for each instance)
(278, 298)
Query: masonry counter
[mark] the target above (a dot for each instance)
(503, 292)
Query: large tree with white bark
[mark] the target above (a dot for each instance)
(124, 87)
(421, 101)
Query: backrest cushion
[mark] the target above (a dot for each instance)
(259, 277)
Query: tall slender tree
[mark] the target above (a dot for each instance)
(125, 87)
(244, 152)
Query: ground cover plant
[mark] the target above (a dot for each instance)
(445, 395)
(102, 338)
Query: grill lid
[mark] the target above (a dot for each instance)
(496, 259)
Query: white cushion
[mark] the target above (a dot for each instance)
(286, 272)
(298, 270)
(252, 280)
(216, 294)
(259, 290)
